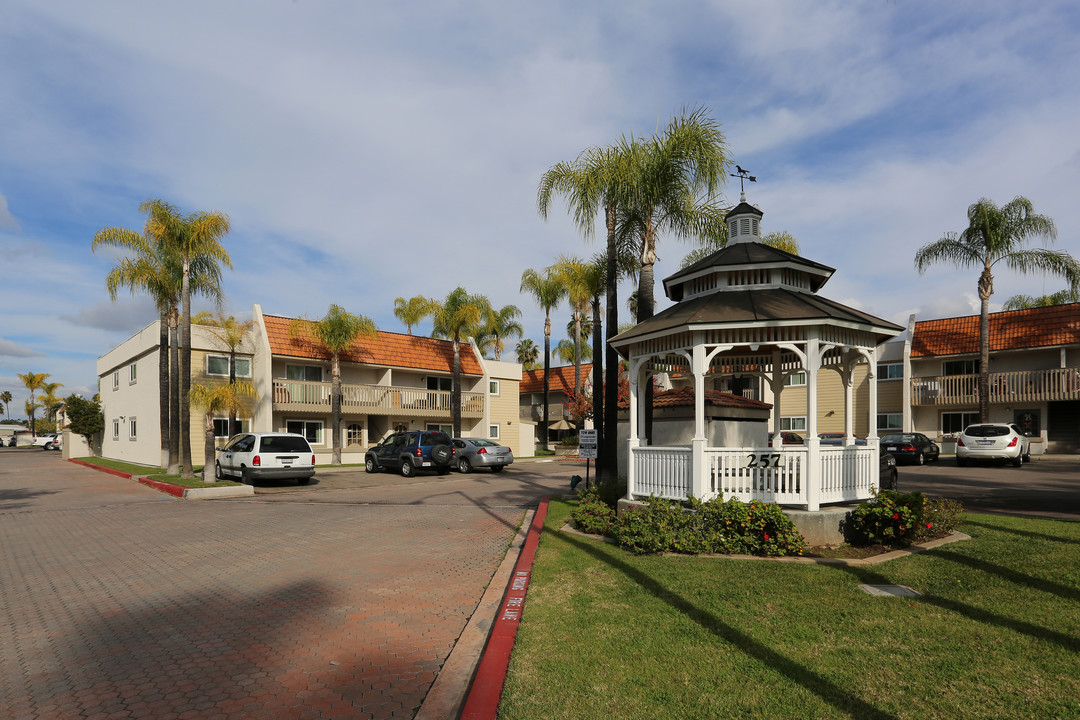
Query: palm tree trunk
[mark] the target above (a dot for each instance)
(186, 470)
(209, 452)
(609, 450)
(577, 351)
(986, 288)
(163, 387)
(455, 388)
(598, 382)
(335, 409)
(174, 392)
(231, 430)
(547, 380)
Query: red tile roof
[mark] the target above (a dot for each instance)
(388, 349)
(682, 397)
(562, 379)
(1010, 330)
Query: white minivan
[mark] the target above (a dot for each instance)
(266, 456)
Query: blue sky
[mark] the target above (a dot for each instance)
(366, 151)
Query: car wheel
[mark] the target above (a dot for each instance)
(245, 477)
(1027, 457)
(407, 469)
(1018, 461)
(497, 468)
(463, 465)
(370, 465)
(217, 471)
(304, 481)
(441, 454)
(920, 459)
(48, 446)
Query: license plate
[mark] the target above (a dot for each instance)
(427, 464)
(890, 449)
(984, 442)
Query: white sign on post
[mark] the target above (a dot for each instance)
(587, 444)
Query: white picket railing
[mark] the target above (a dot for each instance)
(662, 471)
(845, 474)
(374, 399)
(1005, 387)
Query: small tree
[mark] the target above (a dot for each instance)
(214, 399)
(84, 418)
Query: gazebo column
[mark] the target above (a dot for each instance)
(871, 377)
(698, 470)
(776, 384)
(848, 378)
(632, 442)
(812, 476)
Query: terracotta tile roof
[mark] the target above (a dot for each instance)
(682, 397)
(388, 349)
(562, 379)
(1010, 330)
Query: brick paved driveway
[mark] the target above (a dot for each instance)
(121, 602)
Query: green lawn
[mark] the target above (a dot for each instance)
(154, 473)
(996, 634)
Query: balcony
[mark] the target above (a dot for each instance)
(535, 413)
(302, 396)
(1022, 386)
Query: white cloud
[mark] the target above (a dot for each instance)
(11, 349)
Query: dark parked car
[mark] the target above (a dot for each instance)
(887, 474)
(410, 451)
(911, 447)
(836, 438)
(790, 438)
(476, 453)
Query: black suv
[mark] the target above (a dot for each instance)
(410, 451)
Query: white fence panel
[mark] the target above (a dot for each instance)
(757, 474)
(847, 474)
(661, 471)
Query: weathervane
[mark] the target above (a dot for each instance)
(743, 176)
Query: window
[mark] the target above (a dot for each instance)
(242, 365)
(217, 365)
(131, 374)
(448, 429)
(310, 429)
(132, 429)
(440, 383)
(115, 429)
(890, 371)
(890, 421)
(793, 423)
(493, 432)
(221, 427)
(493, 387)
(115, 379)
(960, 367)
(310, 373)
(354, 434)
(954, 422)
(795, 379)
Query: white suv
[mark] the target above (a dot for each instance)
(993, 441)
(266, 456)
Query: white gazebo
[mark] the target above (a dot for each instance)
(752, 310)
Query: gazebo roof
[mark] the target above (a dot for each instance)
(748, 254)
(756, 307)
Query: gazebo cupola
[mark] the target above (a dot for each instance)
(753, 310)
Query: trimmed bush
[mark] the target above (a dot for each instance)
(593, 515)
(896, 520)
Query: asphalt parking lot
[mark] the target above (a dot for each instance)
(1048, 486)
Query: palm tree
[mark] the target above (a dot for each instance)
(230, 333)
(1027, 302)
(996, 235)
(6, 397)
(413, 310)
(154, 267)
(214, 399)
(548, 290)
(50, 402)
(571, 353)
(527, 354)
(198, 240)
(575, 276)
(334, 334)
(458, 317)
(500, 325)
(600, 178)
(33, 382)
(779, 239)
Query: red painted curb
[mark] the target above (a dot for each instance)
(163, 487)
(482, 702)
(118, 473)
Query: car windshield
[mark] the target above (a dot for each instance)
(435, 438)
(284, 444)
(484, 443)
(987, 430)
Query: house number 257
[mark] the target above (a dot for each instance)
(764, 460)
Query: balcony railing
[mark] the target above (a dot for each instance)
(303, 396)
(1022, 386)
(556, 411)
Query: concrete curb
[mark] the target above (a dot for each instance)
(178, 491)
(482, 702)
